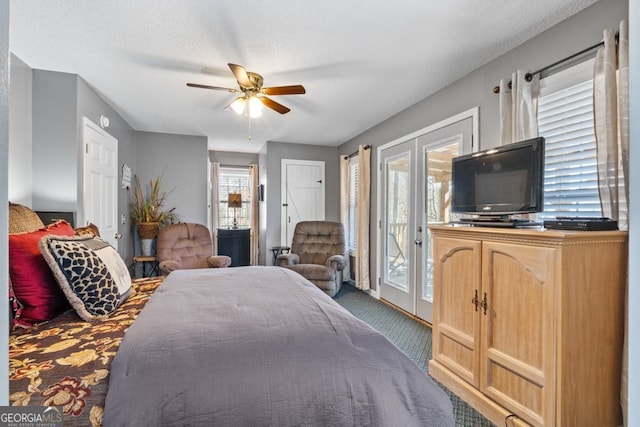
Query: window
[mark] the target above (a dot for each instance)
(234, 180)
(353, 204)
(565, 120)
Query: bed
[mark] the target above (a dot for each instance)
(240, 346)
(65, 362)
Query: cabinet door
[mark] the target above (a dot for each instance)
(518, 339)
(456, 317)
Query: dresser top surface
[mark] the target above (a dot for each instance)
(541, 235)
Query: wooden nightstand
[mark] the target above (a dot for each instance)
(279, 250)
(235, 243)
(149, 266)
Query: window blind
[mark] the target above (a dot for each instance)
(565, 120)
(234, 180)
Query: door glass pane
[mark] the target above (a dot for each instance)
(437, 203)
(397, 217)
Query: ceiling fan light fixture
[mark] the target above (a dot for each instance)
(254, 107)
(238, 105)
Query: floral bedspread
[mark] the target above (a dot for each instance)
(66, 361)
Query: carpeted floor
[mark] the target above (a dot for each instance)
(412, 337)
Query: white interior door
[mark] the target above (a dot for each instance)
(303, 184)
(100, 181)
(415, 190)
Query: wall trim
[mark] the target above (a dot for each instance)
(473, 113)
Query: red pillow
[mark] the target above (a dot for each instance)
(33, 283)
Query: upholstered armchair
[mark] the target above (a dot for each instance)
(185, 246)
(317, 253)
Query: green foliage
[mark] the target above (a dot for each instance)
(147, 204)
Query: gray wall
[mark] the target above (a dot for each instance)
(4, 221)
(275, 152)
(20, 129)
(184, 161)
(55, 145)
(570, 36)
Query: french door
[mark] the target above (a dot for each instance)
(415, 193)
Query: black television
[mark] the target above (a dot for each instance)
(497, 183)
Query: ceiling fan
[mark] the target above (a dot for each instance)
(253, 96)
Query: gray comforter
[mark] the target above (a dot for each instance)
(262, 346)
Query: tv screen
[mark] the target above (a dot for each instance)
(500, 181)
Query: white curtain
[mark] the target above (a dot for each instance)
(362, 220)
(344, 209)
(215, 204)
(255, 230)
(611, 124)
(518, 108)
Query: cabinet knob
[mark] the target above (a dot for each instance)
(418, 242)
(475, 300)
(484, 303)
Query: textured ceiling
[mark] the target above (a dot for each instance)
(361, 61)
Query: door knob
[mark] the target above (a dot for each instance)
(418, 242)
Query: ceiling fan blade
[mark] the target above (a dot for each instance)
(241, 75)
(268, 102)
(284, 90)
(226, 89)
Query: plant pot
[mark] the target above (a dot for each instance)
(146, 247)
(148, 230)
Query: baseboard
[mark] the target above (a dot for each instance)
(406, 313)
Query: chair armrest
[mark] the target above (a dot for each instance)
(287, 259)
(219, 261)
(168, 266)
(336, 262)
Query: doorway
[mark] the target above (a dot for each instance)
(303, 184)
(100, 181)
(414, 193)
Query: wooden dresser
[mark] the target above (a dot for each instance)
(530, 322)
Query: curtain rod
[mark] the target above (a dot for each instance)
(529, 76)
(355, 153)
(235, 166)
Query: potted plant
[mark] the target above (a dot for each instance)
(147, 211)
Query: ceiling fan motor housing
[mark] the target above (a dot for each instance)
(256, 83)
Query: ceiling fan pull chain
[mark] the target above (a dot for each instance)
(249, 118)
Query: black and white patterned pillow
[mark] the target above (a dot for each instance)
(91, 273)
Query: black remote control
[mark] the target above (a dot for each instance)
(582, 218)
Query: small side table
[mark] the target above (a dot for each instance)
(279, 250)
(150, 266)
